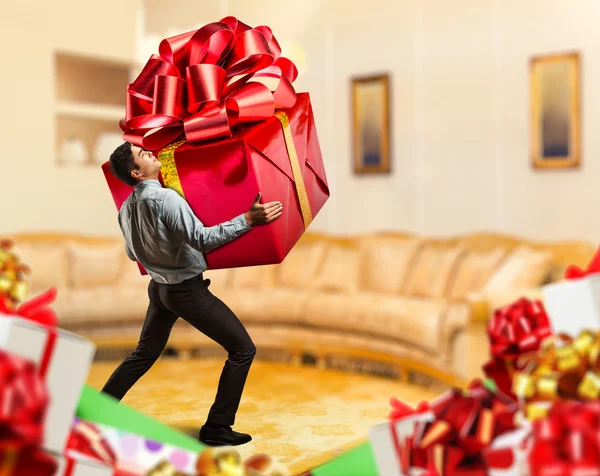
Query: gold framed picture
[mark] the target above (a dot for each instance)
(371, 124)
(555, 111)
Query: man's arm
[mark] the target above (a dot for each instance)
(179, 218)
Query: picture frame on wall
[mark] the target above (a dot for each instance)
(371, 124)
(555, 111)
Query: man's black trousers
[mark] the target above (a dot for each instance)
(192, 301)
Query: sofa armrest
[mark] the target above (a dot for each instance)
(483, 304)
(454, 329)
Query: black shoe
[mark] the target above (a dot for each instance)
(224, 436)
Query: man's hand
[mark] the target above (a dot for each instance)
(261, 214)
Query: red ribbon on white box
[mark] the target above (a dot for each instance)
(38, 311)
(593, 267)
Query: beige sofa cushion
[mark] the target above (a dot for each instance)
(413, 321)
(95, 264)
(267, 305)
(431, 272)
(385, 262)
(220, 280)
(523, 268)
(253, 277)
(48, 264)
(475, 271)
(102, 305)
(300, 266)
(339, 271)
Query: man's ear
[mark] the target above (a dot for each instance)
(136, 174)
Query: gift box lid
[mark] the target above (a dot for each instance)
(34, 335)
(585, 280)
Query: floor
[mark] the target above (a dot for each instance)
(299, 415)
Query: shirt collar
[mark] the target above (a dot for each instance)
(148, 184)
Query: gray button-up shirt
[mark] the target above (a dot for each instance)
(163, 234)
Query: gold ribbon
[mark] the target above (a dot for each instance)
(164, 468)
(563, 369)
(13, 286)
(171, 179)
(295, 163)
(168, 170)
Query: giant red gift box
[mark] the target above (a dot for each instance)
(220, 179)
(243, 136)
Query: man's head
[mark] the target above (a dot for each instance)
(132, 165)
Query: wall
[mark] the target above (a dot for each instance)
(459, 101)
(460, 139)
(37, 195)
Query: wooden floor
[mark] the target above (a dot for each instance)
(300, 415)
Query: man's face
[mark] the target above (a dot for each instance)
(148, 165)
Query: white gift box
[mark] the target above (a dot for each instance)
(73, 463)
(573, 304)
(67, 371)
(384, 447)
(510, 458)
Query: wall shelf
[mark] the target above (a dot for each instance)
(90, 111)
(90, 99)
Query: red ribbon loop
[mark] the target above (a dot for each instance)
(86, 438)
(575, 272)
(401, 410)
(205, 82)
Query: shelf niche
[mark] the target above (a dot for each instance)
(90, 100)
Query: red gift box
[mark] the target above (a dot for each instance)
(220, 179)
(566, 441)
(243, 136)
(464, 424)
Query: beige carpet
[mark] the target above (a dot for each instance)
(299, 415)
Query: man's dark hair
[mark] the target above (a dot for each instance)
(121, 164)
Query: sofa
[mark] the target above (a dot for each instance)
(392, 298)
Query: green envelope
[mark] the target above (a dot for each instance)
(358, 461)
(98, 407)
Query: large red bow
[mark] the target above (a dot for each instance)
(518, 328)
(203, 83)
(23, 401)
(513, 330)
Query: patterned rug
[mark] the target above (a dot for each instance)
(299, 415)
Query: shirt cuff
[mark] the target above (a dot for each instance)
(240, 223)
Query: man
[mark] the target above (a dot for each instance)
(164, 235)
